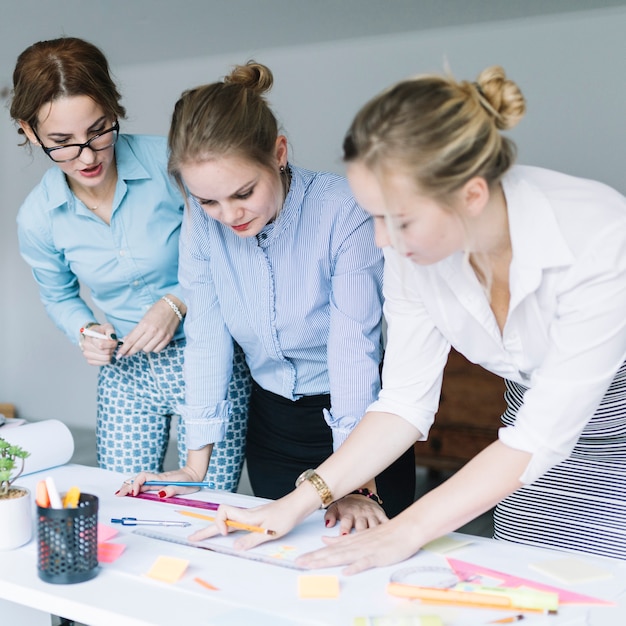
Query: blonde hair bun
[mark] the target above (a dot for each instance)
(254, 76)
(502, 95)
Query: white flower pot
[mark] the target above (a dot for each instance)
(16, 521)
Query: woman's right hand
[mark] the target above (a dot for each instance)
(99, 351)
(279, 516)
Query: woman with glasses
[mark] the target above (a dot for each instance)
(107, 217)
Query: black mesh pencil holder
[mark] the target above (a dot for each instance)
(67, 542)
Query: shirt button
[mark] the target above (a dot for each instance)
(122, 252)
(136, 283)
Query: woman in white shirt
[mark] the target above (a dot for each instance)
(522, 270)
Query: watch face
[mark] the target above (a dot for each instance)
(302, 477)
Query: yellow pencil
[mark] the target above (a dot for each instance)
(231, 523)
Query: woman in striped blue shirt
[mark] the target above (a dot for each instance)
(282, 261)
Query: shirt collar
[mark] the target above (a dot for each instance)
(300, 180)
(536, 238)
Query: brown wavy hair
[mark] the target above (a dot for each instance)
(58, 68)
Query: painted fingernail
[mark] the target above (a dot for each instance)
(162, 494)
(327, 523)
(116, 492)
(344, 533)
(114, 336)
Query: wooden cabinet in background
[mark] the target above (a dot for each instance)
(8, 410)
(468, 419)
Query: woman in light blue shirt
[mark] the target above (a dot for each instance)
(107, 216)
(282, 261)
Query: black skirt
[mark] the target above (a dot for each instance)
(286, 437)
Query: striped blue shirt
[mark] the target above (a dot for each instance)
(129, 264)
(303, 299)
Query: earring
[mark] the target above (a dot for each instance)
(281, 169)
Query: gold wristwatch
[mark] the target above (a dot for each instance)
(320, 486)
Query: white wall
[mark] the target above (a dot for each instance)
(571, 69)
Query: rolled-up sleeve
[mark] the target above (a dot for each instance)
(587, 345)
(209, 347)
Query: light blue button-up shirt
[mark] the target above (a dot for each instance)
(127, 265)
(303, 299)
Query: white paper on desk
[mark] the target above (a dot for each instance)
(49, 442)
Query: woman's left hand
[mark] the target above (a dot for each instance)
(153, 332)
(354, 511)
(376, 547)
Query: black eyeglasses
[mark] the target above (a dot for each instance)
(101, 141)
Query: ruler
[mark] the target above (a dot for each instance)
(198, 504)
(212, 547)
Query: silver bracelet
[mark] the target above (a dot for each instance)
(174, 308)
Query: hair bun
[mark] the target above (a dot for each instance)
(252, 75)
(503, 96)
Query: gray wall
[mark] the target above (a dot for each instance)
(571, 69)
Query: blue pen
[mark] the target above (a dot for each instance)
(176, 483)
(133, 521)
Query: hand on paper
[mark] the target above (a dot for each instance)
(153, 332)
(385, 544)
(354, 511)
(99, 351)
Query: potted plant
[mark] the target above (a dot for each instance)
(15, 505)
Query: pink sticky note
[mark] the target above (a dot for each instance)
(106, 532)
(109, 552)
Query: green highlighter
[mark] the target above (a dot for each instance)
(520, 598)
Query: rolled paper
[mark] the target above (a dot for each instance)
(49, 442)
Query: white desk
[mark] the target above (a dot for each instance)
(254, 593)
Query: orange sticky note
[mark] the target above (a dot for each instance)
(168, 569)
(318, 586)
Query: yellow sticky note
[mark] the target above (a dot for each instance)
(318, 586)
(445, 544)
(168, 569)
(571, 570)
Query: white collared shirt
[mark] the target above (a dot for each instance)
(565, 334)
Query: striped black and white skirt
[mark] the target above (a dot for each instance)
(580, 504)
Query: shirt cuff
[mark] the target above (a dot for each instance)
(542, 459)
(340, 428)
(204, 425)
(420, 418)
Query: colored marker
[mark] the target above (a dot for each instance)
(87, 332)
(53, 494)
(71, 498)
(42, 498)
